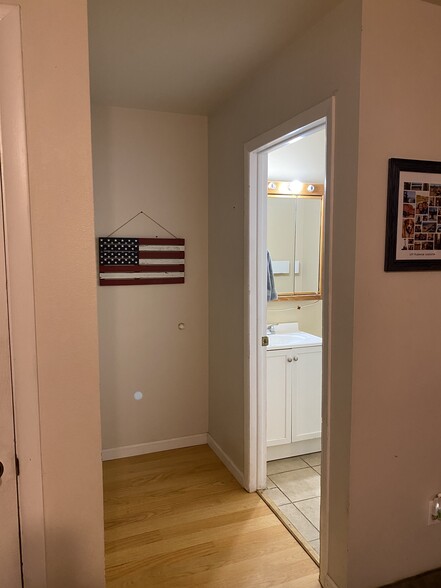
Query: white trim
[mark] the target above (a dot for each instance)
(294, 449)
(256, 152)
(250, 326)
(21, 298)
(327, 338)
(153, 447)
(261, 291)
(226, 460)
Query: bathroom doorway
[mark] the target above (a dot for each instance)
(295, 204)
(286, 393)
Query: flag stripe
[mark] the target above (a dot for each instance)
(141, 268)
(161, 241)
(161, 248)
(141, 282)
(137, 276)
(161, 262)
(161, 254)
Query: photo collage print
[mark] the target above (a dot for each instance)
(421, 213)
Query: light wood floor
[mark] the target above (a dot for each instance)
(179, 519)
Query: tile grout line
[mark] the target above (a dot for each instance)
(286, 471)
(294, 503)
(307, 518)
(305, 499)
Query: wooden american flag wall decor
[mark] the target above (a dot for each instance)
(129, 261)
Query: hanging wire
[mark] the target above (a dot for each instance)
(149, 217)
(299, 307)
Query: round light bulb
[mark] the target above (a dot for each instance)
(295, 186)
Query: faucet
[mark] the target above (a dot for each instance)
(271, 329)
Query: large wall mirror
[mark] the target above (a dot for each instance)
(295, 238)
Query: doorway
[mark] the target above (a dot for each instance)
(288, 438)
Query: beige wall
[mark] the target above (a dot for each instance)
(325, 61)
(395, 440)
(59, 152)
(155, 162)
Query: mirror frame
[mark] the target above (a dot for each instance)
(280, 189)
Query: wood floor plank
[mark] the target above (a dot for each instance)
(178, 519)
(247, 543)
(231, 523)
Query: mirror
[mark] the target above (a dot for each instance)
(294, 239)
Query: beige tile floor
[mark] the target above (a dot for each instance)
(293, 485)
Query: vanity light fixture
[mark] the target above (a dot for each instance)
(295, 186)
(272, 185)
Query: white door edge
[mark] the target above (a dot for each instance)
(21, 298)
(255, 153)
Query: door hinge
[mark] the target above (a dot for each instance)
(17, 466)
(265, 341)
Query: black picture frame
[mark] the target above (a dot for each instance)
(409, 232)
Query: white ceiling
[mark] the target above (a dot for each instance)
(304, 160)
(187, 55)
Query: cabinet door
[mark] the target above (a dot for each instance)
(278, 380)
(307, 393)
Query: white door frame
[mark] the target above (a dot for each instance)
(20, 288)
(10, 552)
(256, 177)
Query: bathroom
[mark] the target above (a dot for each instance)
(295, 208)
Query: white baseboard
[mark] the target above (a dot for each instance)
(153, 447)
(293, 449)
(228, 463)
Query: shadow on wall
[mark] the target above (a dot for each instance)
(67, 570)
(427, 580)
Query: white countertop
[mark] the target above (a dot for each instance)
(287, 335)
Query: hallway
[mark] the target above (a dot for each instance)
(179, 519)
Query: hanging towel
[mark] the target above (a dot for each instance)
(271, 293)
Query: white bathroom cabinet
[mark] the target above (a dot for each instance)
(294, 392)
(279, 397)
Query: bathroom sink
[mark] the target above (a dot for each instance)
(294, 339)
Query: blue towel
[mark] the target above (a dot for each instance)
(271, 293)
